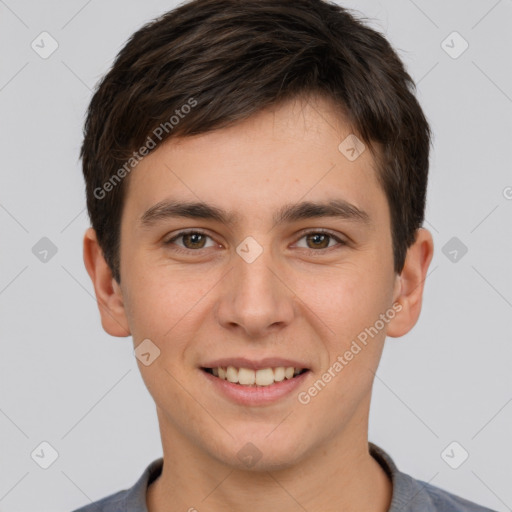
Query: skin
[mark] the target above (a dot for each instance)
(294, 301)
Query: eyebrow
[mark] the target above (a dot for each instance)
(338, 208)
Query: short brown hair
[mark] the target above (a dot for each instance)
(227, 59)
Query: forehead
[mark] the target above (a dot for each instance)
(296, 151)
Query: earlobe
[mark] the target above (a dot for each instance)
(410, 284)
(108, 293)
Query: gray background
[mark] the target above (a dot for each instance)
(64, 381)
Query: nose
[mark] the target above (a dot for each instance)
(255, 299)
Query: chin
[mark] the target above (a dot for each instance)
(265, 450)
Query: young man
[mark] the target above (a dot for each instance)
(256, 175)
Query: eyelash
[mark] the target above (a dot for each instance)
(199, 232)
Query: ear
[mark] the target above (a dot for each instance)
(108, 291)
(409, 284)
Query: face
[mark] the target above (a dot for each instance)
(257, 279)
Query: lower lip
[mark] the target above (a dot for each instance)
(255, 395)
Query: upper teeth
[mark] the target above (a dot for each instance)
(249, 377)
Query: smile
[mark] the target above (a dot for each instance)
(249, 377)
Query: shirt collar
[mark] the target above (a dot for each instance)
(406, 490)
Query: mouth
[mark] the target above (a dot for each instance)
(249, 377)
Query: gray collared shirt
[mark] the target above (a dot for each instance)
(409, 494)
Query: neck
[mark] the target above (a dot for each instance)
(339, 475)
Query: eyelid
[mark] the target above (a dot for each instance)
(321, 231)
(300, 235)
(325, 231)
(184, 232)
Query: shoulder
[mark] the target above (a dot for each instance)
(110, 503)
(445, 501)
(128, 500)
(412, 495)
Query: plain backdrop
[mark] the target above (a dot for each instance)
(65, 382)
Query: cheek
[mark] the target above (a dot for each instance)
(166, 307)
(351, 307)
(350, 302)
(162, 299)
(346, 299)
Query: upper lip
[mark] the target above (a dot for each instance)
(242, 362)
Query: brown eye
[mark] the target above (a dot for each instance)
(190, 240)
(193, 240)
(318, 240)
